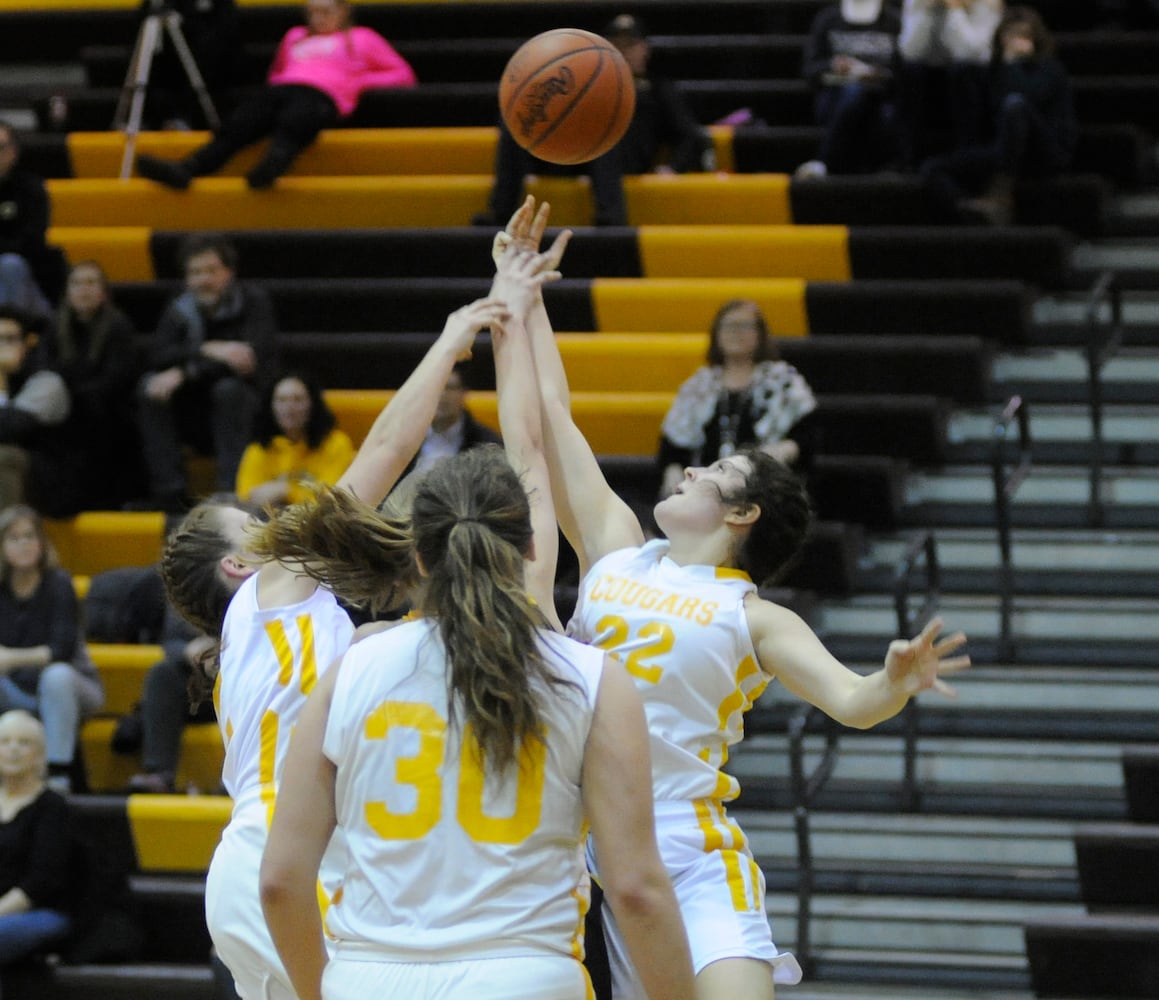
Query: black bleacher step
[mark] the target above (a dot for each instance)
(171, 909)
(956, 799)
(1141, 779)
(1078, 202)
(862, 489)
(907, 427)
(1094, 955)
(961, 880)
(140, 981)
(995, 309)
(1118, 866)
(452, 252)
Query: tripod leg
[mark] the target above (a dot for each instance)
(189, 64)
(134, 91)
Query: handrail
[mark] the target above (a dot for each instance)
(910, 624)
(1006, 485)
(1100, 348)
(806, 787)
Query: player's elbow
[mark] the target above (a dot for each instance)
(276, 883)
(638, 893)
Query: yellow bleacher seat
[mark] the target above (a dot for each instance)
(202, 756)
(817, 253)
(177, 833)
(123, 667)
(98, 540)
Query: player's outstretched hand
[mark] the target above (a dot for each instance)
(918, 664)
(522, 275)
(464, 324)
(525, 230)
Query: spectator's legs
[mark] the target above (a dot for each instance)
(302, 112)
(969, 97)
(512, 164)
(232, 404)
(956, 175)
(1025, 144)
(14, 465)
(161, 445)
(164, 713)
(607, 176)
(13, 696)
(21, 934)
(64, 696)
(19, 288)
(856, 131)
(913, 110)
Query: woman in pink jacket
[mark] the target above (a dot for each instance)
(318, 74)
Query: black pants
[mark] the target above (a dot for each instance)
(291, 115)
(1024, 146)
(214, 417)
(862, 128)
(164, 714)
(513, 163)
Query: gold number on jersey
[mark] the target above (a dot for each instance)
(613, 633)
(421, 772)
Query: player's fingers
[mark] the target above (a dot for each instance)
(949, 643)
(930, 632)
(953, 664)
(944, 689)
(538, 224)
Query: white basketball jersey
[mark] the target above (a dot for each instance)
(270, 661)
(444, 863)
(683, 636)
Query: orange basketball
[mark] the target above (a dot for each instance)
(567, 95)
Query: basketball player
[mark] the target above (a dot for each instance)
(280, 632)
(701, 644)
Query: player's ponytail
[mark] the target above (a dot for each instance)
(472, 528)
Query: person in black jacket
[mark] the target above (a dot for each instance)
(201, 384)
(1035, 129)
(31, 270)
(663, 137)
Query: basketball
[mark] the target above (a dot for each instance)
(567, 96)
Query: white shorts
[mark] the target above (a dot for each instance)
(520, 977)
(233, 913)
(720, 890)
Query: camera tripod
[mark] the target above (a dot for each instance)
(131, 105)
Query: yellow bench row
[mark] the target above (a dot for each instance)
(363, 202)
(335, 153)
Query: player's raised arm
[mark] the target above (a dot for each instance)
(397, 433)
(594, 519)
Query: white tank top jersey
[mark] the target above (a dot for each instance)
(683, 636)
(270, 661)
(444, 863)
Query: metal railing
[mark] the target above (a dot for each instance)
(1104, 322)
(805, 787)
(1007, 480)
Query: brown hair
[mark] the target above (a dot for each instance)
(765, 349)
(1029, 18)
(22, 512)
(190, 559)
(471, 521)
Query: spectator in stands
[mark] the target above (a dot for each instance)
(743, 396)
(851, 59)
(211, 347)
(44, 664)
(945, 50)
(296, 442)
(34, 407)
(35, 845)
(664, 138)
(211, 30)
(91, 344)
(318, 74)
(31, 271)
(1035, 129)
(452, 429)
(168, 703)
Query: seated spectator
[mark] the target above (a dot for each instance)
(202, 371)
(743, 396)
(44, 664)
(296, 442)
(851, 60)
(92, 345)
(663, 137)
(317, 76)
(945, 49)
(31, 270)
(1035, 129)
(34, 405)
(213, 35)
(36, 895)
(452, 428)
(169, 701)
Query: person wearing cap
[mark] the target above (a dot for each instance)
(851, 59)
(663, 137)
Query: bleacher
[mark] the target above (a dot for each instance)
(912, 333)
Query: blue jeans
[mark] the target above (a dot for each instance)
(21, 934)
(64, 697)
(19, 288)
